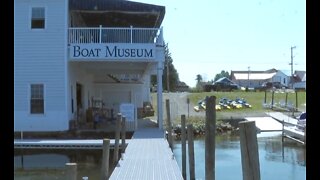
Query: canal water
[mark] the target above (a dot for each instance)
(281, 161)
(277, 161)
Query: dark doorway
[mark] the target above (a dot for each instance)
(79, 97)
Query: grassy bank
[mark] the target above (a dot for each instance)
(256, 99)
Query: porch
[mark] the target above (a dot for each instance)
(98, 35)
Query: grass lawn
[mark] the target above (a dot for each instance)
(256, 99)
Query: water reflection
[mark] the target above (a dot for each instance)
(50, 164)
(277, 159)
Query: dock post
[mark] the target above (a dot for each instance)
(191, 152)
(286, 99)
(305, 135)
(117, 139)
(169, 128)
(71, 171)
(249, 151)
(272, 98)
(296, 101)
(123, 134)
(210, 135)
(105, 159)
(188, 102)
(183, 146)
(282, 130)
(265, 96)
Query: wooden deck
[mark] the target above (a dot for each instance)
(290, 129)
(266, 124)
(282, 117)
(147, 156)
(62, 144)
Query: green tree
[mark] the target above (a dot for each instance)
(173, 74)
(222, 74)
(199, 81)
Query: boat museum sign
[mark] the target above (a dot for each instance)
(112, 52)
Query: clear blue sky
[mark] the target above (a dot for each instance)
(207, 36)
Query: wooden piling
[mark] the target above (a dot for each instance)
(117, 139)
(265, 96)
(105, 159)
(183, 146)
(272, 99)
(191, 151)
(305, 135)
(169, 128)
(71, 171)
(296, 100)
(210, 135)
(286, 99)
(282, 131)
(249, 151)
(188, 102)
(123, 134)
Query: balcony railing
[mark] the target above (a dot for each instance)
(115, 35)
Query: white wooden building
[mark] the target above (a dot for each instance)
(70, 53)
(253, 79)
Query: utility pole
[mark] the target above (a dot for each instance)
(292, 65)
(248, 76)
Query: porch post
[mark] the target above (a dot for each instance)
(100, 33)
(159, 94)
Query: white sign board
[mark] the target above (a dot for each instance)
(115, 51)
(127, 110)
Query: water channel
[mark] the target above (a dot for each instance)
(277, 161)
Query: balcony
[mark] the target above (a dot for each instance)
(102, 35)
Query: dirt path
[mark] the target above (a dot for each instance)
(179, 106)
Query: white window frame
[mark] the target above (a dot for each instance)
(30, 98)
(45, 18)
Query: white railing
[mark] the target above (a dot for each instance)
(115, 35)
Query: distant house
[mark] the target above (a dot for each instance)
(222, 84)
(182, 87)
(253, 79)
(299, 80)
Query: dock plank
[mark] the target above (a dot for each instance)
(266, 123)
(282, 117)
(62, 143)
(147, 156)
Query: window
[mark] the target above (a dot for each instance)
(36, 101)
(38, 18)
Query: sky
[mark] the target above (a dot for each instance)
(207, 36)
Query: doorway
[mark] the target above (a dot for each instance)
(79, 100)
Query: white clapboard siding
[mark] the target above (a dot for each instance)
(40, 57)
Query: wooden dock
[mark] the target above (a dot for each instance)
(147, 156)
(62, 144)
(282, 117)
(290, 129)
(266, 124)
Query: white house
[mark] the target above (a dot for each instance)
(299, 80)
(70, 53)
(256, 78)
